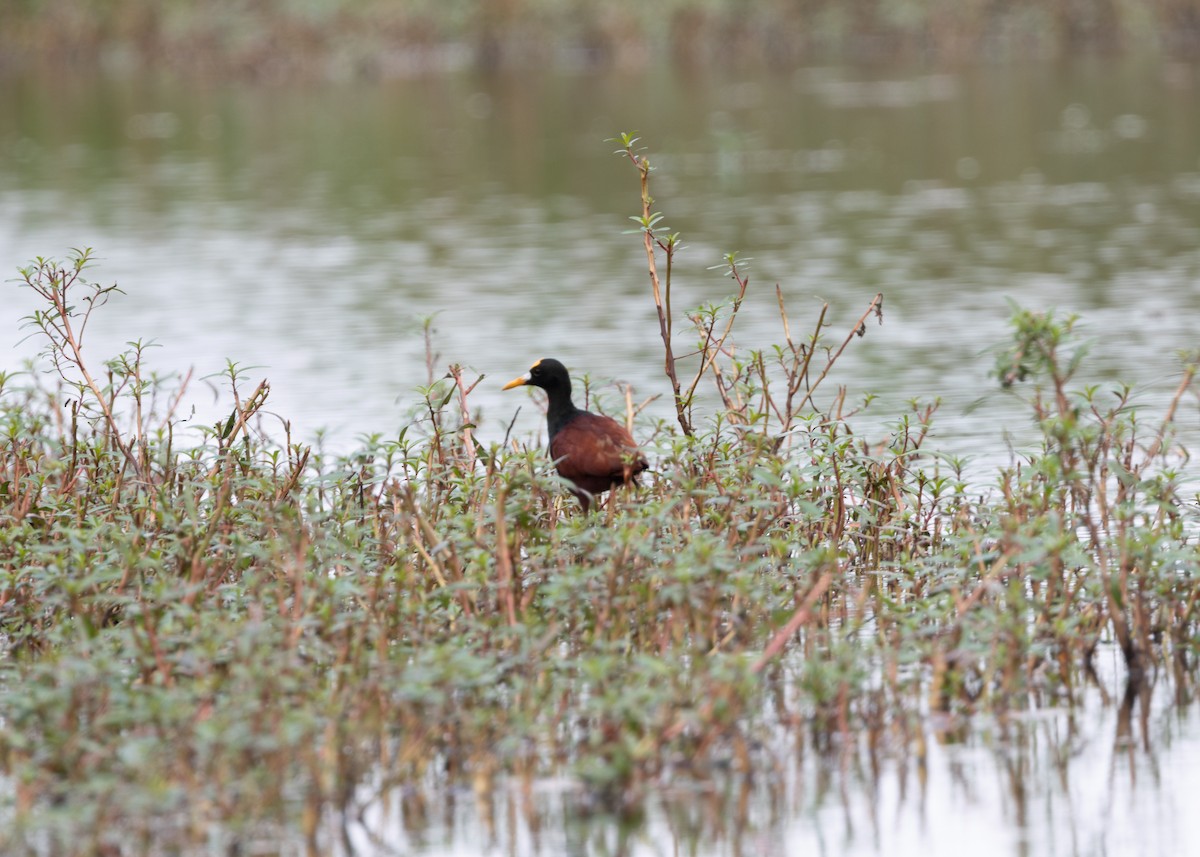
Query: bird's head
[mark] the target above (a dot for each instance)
(548, 374)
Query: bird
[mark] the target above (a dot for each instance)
(591, 451)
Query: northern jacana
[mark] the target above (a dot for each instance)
(592, 452)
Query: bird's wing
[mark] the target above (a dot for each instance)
(597, 447)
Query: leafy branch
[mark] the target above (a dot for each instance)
(64, 325)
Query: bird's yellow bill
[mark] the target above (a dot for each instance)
(516, 382)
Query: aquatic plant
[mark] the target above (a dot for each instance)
(230, 635)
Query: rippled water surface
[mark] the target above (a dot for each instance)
(309, 232)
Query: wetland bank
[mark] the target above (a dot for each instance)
(886, 608)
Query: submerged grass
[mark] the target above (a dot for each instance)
(239, 637)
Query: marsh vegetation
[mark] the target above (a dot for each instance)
(372, 39)
(227, 636)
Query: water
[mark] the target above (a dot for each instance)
(308, 232)
(1107, 778)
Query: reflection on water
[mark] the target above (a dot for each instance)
(1117, 775)
(308, 232)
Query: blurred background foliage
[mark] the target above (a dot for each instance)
(365, 39)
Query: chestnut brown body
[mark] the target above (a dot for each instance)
(592, 452)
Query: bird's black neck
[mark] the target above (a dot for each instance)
(560, 411)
